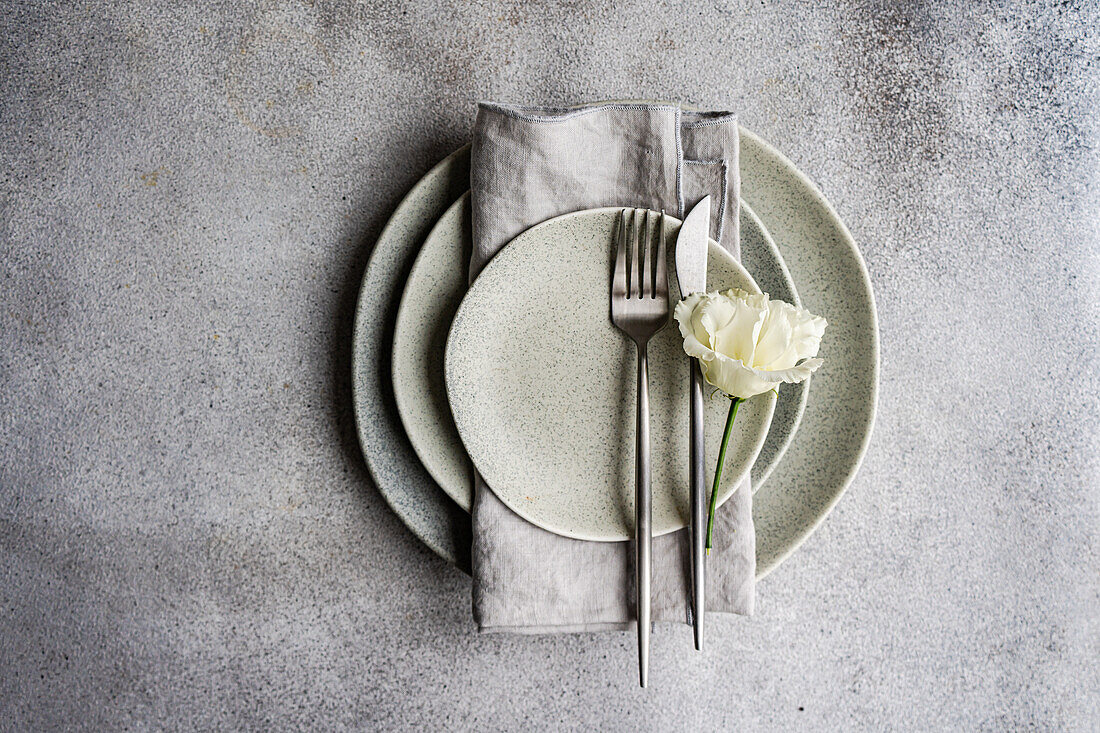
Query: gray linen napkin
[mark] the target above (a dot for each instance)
(532, 164)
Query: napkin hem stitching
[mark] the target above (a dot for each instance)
(679, 162)
(725, 191)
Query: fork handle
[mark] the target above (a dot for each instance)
(643, 515)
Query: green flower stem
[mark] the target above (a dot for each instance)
(734, 402)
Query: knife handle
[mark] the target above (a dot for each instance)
(698, 504)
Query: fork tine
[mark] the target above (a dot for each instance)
(647, 276)
(637, 264)
(618, 282)
(631, 254)
(660, 285)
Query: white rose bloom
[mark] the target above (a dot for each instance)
(748, 344)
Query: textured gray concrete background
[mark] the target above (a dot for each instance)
(188, 197)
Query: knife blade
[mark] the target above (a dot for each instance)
(691, 273)
(691, 249)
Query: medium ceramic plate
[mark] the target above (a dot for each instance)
(432, 294)
(542, 385)
(830, 273)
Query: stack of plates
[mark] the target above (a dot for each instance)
(793, 244)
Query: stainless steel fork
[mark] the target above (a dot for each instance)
(639, 307)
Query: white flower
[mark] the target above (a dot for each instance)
(747, 344)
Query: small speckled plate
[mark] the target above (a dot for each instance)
(542, 385)
(433, 292)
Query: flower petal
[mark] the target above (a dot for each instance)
(684, 313)
(759, 301)
(737, 338)
(798, 373)
(775, 336)
(806, 332)
(737, 380)
(733, 377)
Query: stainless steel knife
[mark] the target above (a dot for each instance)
(691, 272)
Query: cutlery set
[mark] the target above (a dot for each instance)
(640, 308)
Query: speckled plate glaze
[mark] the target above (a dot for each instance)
(832, 280)
(541, 385)
(401, 479)
(432, 294)
(761, 257)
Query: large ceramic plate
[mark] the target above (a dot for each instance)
(542, 385)
(435, 288)
(832, 280)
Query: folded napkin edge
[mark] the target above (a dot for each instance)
(533, 113)
(536, 113)
(708, 119)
